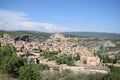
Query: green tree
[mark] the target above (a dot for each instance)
(56, 68)
(77, 57)
(29, 72)
(9, 62)
(11, 65)
(6, 50)
(43, 67)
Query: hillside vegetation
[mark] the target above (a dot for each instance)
(34, 36)
(14, 67)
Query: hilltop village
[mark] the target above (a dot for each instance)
(61, 46)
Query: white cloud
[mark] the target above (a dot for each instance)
(10, 20)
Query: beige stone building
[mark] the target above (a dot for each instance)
(93, 61)
(58, 36)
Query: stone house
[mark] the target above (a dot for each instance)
(57, 36)
(93, 61)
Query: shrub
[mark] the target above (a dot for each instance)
(29, 72)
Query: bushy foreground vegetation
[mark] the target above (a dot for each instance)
(15, 68)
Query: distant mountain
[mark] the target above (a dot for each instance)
(93, 34)
(41, 36)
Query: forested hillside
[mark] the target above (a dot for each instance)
(34, 36)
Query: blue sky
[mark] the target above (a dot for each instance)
(60, 15)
